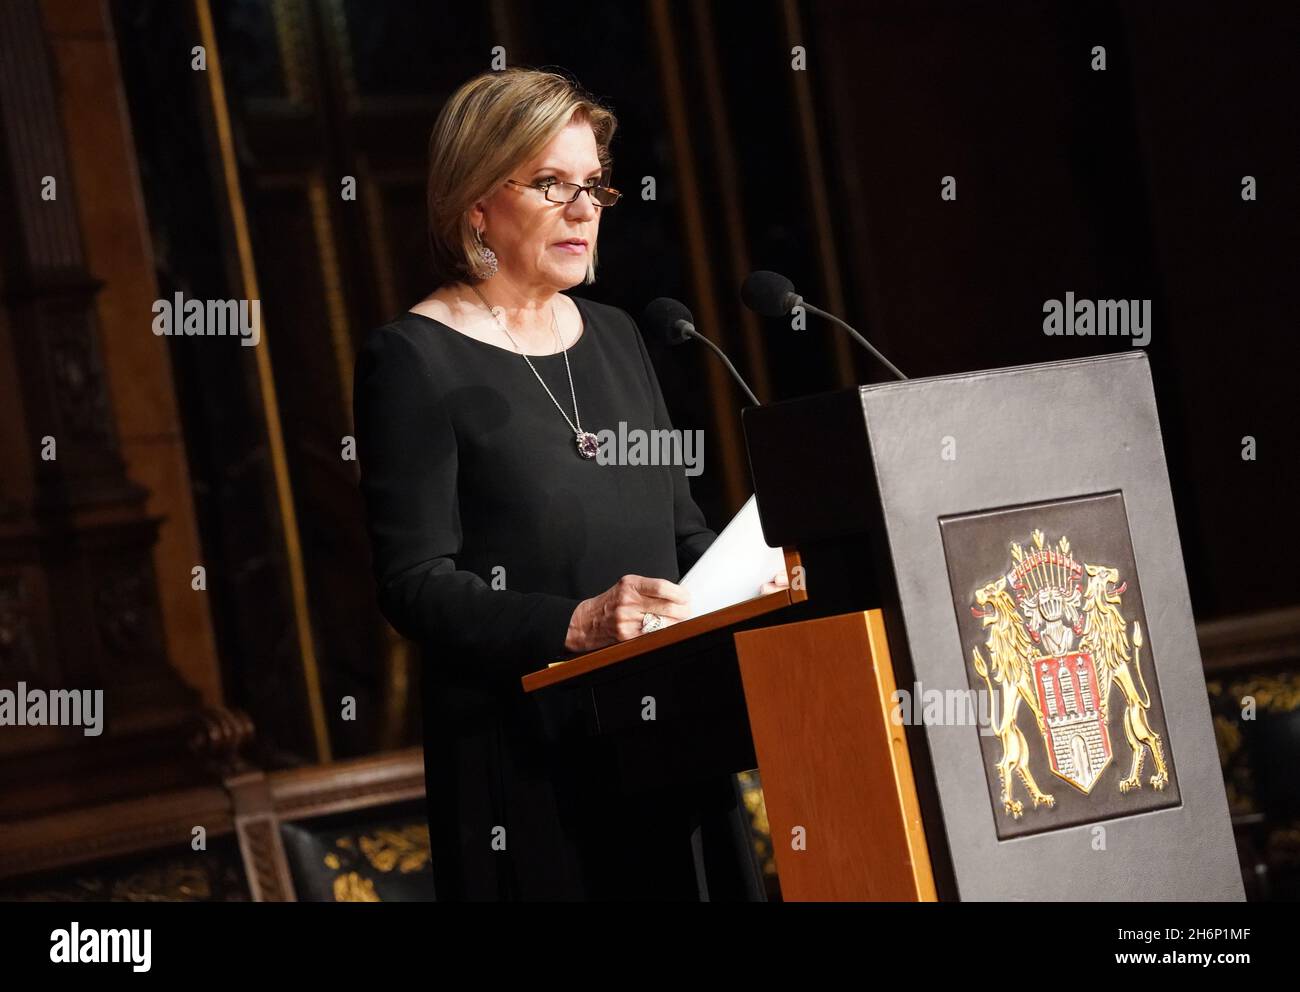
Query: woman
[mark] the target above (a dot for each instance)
(500, 541)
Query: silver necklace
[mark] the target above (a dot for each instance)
(588, 443)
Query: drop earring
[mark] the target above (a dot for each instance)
(486, 255)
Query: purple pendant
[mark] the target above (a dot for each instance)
(588, 444)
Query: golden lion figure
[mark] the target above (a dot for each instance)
(1104, 637)
(1012, 666)
(1013, 670)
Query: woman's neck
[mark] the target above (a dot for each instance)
(527, 318)
(524, 311)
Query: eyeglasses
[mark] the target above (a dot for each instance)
(558, 192)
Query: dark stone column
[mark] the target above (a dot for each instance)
(78, 594)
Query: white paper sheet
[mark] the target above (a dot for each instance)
(735, 566)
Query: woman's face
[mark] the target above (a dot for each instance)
(526, 230)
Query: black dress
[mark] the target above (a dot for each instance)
(487, 530)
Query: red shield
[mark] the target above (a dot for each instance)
(1074, 730)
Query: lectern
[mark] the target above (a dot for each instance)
(984, 682)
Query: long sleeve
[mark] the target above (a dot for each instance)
(692, 531)
(407, 447)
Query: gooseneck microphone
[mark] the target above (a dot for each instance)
(771, 294)
(674, 322)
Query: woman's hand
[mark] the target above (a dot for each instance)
(779, 581)
(615, 615)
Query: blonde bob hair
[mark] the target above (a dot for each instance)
(489, 127)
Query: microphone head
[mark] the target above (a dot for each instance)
(769, 293)
(665, 317)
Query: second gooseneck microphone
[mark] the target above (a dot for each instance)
(771, 294)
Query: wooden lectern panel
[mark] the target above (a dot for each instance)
(819, 695)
